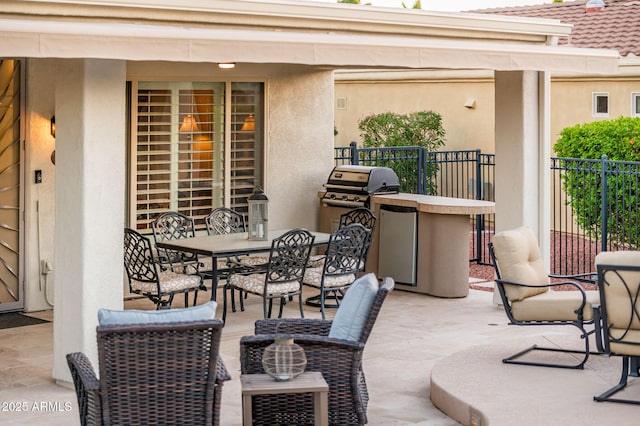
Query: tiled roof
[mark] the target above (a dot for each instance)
(617, 26)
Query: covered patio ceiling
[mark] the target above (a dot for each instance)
(306, 33)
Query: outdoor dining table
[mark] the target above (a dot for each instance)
(237, 244)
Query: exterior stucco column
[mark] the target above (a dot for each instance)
(90, 184)
(522, 151)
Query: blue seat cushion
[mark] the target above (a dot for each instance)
(354, 309)
(118, 317)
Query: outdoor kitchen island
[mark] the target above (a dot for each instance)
(442, 251)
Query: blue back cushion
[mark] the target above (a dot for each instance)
(353, 312)
(132, 316)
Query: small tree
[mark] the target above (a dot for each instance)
(421, 129)
(619, 140)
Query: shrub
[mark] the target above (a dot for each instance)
(619, 140)
(421, 129)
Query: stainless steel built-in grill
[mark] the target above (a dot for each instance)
(351, 186)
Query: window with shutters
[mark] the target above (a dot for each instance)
(198, 146)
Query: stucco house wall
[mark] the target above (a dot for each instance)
(466, 128)
(293, 153)
(39, 198)
(363, 94)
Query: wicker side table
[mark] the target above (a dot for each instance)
(263, 384)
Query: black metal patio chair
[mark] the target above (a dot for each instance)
(341, 264)
(366, 218)
(524, 287)
(147, 277)
(171, 226)
(619, 312)
(282, 277)
(223, 221)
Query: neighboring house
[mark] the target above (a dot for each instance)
(466, 98)
(146, 120)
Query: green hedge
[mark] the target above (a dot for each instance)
(421, 128)
(619, 140)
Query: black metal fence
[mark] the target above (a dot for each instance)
(608, 198)
(460, 174)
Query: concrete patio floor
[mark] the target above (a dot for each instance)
(457, 343)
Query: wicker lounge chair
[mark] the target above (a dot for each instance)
(338, 356)
(163, 373)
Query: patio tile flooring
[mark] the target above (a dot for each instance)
(413, 335)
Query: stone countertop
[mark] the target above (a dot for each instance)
(435, 204)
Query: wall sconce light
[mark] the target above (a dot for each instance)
(470, 103)
(249, 123)
(53, 126)
(189, 124)
(226, 65)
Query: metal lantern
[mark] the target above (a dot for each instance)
(283, 359)
(258, 215)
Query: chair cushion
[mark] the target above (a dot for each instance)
(132, 316)
(313, 277)
(625, 348)
(254, 283)
(169, 281)
(519, 260)
(353, 312)
(316, 261)
(554, 306)
(619, 295)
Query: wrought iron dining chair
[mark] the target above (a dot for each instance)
(154, 373)
(619, 313)
(366, 218)
(524, 287)
(171, 226)
(335, 348)
(283, 275)
(361, 215)
(341, 263)
(148, 278)
(222, 221)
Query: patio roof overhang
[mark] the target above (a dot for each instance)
(307, 33)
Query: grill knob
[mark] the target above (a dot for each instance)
(332, 196)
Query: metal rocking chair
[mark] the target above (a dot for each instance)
(619, 311)
(524, 287)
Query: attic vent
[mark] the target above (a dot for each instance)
(341, 103)
(594, 6)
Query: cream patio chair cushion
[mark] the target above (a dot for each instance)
(554, 306)
(313, 277)
(254, 283)
(618, 300)
(520, 261)
(169, 281)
